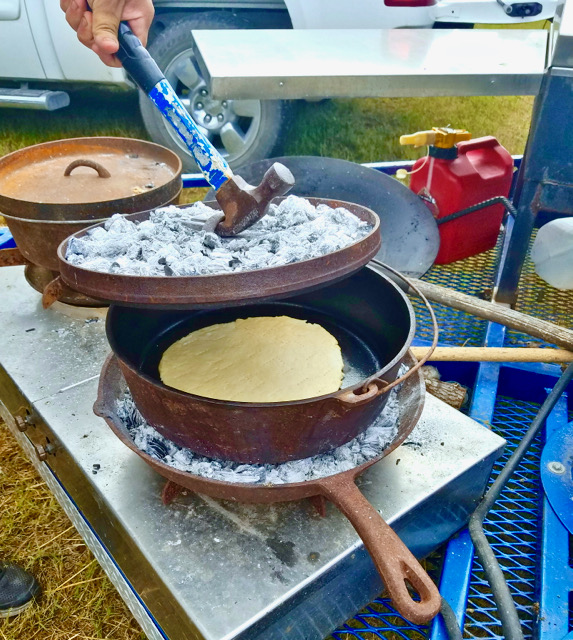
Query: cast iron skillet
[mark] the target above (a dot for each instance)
(368, 314)
(391, 557)
(410, 237)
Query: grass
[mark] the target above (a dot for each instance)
(78, 601)
(361, 130)
(368, 130)
(105, 112)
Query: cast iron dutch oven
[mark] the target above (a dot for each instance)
(226, 288)
(52, 190)
(373, 322)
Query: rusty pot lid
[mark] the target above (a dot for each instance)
(92, 174)
(225, 289)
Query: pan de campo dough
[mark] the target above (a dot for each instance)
(262, 359)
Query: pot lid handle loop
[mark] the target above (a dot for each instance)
(393, 560)
(82, 162)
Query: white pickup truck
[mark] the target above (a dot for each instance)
(41, 59)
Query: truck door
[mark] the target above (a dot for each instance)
(18, 54)
(63, 56)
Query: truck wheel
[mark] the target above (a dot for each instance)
(241, 130)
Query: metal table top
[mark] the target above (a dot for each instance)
(316, 63)
(220, 570)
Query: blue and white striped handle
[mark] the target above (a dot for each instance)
(148, 76)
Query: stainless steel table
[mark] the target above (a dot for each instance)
(200, 568)
(319, 63)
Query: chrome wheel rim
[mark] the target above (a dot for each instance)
(230, 125)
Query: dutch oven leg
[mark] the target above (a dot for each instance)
(170, 491)
(319, 503)
(53, 291)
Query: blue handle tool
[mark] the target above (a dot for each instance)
(148, 76)
(241, 203)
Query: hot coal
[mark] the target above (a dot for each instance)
(369, 444)
(174, 241)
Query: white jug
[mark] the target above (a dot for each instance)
(552, 253)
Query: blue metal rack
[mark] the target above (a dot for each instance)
(6, 239)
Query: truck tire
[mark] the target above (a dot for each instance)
(242, 130)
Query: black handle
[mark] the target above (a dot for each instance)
(136, 59)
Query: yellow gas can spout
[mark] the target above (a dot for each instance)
(441, 137)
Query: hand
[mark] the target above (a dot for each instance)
(97, 29)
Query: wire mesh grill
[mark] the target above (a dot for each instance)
(380, 620)
(511, 528)
(475, 276)
(537, 298)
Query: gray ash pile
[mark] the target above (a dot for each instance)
(368, 445)
(173, 242)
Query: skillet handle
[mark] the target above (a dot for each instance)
(392, 559)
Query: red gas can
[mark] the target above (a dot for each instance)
(455, 178)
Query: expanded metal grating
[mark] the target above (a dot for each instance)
(511, 528)
(380, 620)
(537, 298)
(473, 276)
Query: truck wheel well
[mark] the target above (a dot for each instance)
(252, 18)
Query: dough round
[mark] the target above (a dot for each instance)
(263, 359)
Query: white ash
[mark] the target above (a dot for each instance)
(173, 241)
(364, 447)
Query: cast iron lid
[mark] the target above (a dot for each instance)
(87, 178)
(226, 289)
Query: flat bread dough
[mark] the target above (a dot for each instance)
(262, 359)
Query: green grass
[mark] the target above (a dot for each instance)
(361, 130)
(368, 130)
(93, 112)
